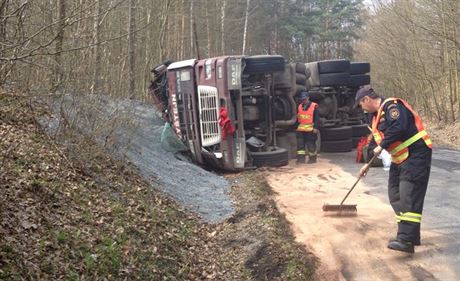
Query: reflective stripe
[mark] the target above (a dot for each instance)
(409, 141)
(417, 215)
(400, 158)
(305, 117)
(400, 150)
(410, 216)
(305, 127)
(300, 152)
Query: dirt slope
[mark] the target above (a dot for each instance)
(349, 248)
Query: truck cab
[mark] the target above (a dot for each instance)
(222, 109)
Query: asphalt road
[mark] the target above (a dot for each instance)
(441, 214)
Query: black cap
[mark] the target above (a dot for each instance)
(363, 92)
(303, 95)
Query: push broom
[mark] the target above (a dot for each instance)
(349, 209)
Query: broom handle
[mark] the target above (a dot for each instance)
(359, 178)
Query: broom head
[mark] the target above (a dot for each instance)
(339, 208)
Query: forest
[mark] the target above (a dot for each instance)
(110, 46)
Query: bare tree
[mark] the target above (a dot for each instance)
(245, 32)
(97, 48)
(132, 49)
(222, 27)
(58, 73)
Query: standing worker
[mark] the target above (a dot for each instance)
(307, 129)
(397, 128)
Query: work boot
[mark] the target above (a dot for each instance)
(416, 242)
(311, 160)
(400, 245)
(300, 160)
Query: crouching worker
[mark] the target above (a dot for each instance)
(307, 128)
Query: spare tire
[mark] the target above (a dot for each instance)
(337, 146)
(360, 80)
(339, 133)
(263, 64)
(333, 66)
(300, 79)
(360, 67)
(299, 88)
(355, 141)
(275, 157)
(300, 68)
(334, 79)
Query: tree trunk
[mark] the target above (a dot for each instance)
(97, 49)
(131, 49)
(191, 29)
(245, 27)
(222, 27)
(208, 29)
(182, 32)
(58, 74)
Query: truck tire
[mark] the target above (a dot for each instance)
(360, 130)
(333, 66)
(337, 146)
(355, 141)
(299, 88)
(334, 79)
(360, 68)
(360, 80)
(281, 108)
(300, 68)
(264, 64)
(300, 79)
(274, 158)
(334, 134)
(282, 141)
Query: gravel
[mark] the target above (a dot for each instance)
(132, 130)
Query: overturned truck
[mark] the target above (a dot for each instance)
(237, 112)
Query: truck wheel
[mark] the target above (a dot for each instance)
(356, 141)
(334, 79)
(360, 68)
(300, 68)
(299, 88)
(263, 64)
(300, 79)
(360, 130)
(334, 134)
(281, 108)
(333, 66)
(360, 80)
(337, 146)
(275, 157)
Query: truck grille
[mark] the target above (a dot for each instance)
(208, 102)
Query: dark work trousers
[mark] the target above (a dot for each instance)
(307, 139)
(407, 187)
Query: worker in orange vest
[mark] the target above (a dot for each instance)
(307, 128)
(397, 128)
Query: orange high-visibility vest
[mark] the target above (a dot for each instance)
(400, 150)
(305, 117)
